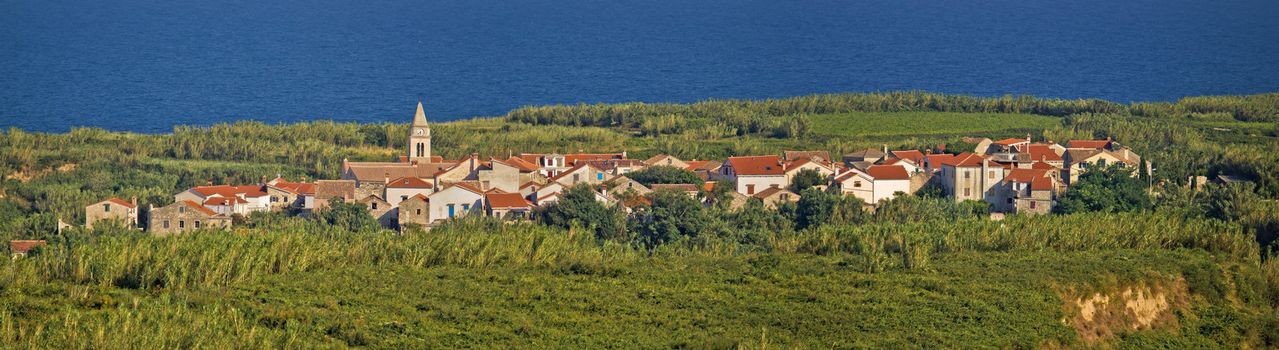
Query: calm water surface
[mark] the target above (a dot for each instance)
(148, 65)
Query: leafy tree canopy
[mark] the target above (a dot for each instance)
(1110, 188)
(664, 175)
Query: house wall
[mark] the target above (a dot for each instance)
(761, 183)
(413, 212)
(1038, 202)
(395, 195)
(188, 195)
(808, 166)
(280, 199)
(382, 211)
(106, 210)
(501, 176)
(464, 202)
(866, 191)
(363, 189)
(182, 218)
(976, 185)
(885, 189)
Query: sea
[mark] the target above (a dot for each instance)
(146, 66)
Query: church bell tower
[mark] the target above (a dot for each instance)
(420, 137)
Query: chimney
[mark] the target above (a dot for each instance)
(134, 200)
(1027, 137)
(262, 180)
(885, 149)
(623, 154)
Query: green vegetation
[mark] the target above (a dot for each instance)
(821, 273)
(1109, 188)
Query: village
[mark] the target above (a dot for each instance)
(1014, 176)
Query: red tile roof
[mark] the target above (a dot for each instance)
(224, 201)
(520, 163)
(966, 160)
(696, 164)
(757, 165)
(466, 186)
(506, 200)
(409, 182)
(888, 172)
(1043, 152)
(912, 155)
(230, 191)
(936, 160)
(1010, 142)
(1042, 166)
(1038, 179)
(575, 157)
(24, 246)
(1096, 144)
(708, 186)
(200, 208)
(797, 155)
(121, 202)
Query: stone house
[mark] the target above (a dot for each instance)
(327, 190)
(184, 216)
(413, 211)
(112, 209)
(689, 190)
(970, 177)
(508, 206)
(774, 196)
(1029, 191)
(666, 160)
(581, 174)
(284, 194)
(381, 210)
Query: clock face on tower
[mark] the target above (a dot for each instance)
(419, 132)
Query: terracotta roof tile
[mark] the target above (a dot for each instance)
(121, 202)
(1094, 144)
(23, 246)
(409, 182)
(506, 200)
(888, 172)
(914, 156)
(1010, 142)
(757, 165)
(200, 208)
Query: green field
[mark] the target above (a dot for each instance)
(872, 124)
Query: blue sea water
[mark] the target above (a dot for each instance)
(148, 65)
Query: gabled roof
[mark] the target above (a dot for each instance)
(866, 153)
(328, 189)
(802, 162)
(1042, 166)
(409, 182)
(225, 201)
(302, 188)
(965, 160)
(575, 157)
(851, 173)
(757, 165)
(1011, 141)
(937, 159)
(229, 191)
(199, 208)
(888, 172)
(465, 186)
(797, 155)
(661, 157)
(1042, 152)
(519, 163)
(574, 169)
(1094, 144)
(769, 192)
(22, 246)
(1038, 179)
(914, 156)
(694, 165)
(419, 196)
(506, 200)
(119, 202)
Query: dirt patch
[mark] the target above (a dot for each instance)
(1098, 316)
(26, 175)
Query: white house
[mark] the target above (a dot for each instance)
(457, 200)
(254, 196)
(405, 187)
(755, 173)
(877, 183)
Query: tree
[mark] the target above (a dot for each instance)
(1108, 189)
(353, 217)
(816, 208)
(806, 179)
(662, 174)
(577, 207)
(671, 216)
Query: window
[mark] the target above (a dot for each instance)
(1010, 201)
(373, 205)
(197, 224)
(992, 174)
(404, 198)
(857, 184)
(599, 176)
(450, 210)
(968, 192)
(166, 223)
(106, 207)
(182, 209)
(967, 174)
(1032, 204)
(466, 207)
(419, 211)
(577, 177)
(750, 189)
(182, 224)
(1101, 162)
(785, 196)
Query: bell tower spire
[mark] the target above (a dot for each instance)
(419, 137)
